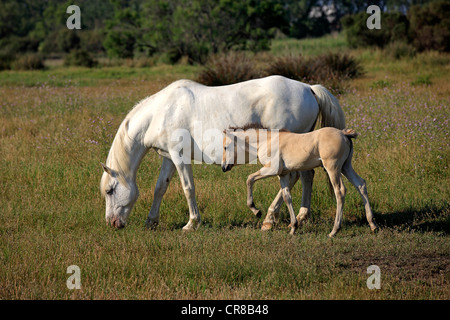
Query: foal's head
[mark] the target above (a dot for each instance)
(229, 153)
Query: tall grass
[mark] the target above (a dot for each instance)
(57, 127)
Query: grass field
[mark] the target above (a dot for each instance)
(57, 125)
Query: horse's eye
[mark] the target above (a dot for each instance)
(110, 191)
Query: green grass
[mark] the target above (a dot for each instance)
(57, 125)
(78, 76)
(309, 47)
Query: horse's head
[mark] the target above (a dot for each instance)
(229, 153)
(120, 196)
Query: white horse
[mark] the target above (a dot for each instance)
(191, 111)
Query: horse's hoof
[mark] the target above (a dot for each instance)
(151, 224)
(266, 226)
(258, 214)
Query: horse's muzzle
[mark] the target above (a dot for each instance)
(227, 167)
(116, 222)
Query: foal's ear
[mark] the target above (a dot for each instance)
(106, 168)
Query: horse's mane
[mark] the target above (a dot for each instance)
(254, 125)
(118, 157)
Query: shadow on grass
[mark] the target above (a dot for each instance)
(427, 219)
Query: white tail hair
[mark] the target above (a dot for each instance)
(331, 113)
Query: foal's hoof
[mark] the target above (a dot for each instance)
(266, 226)
(191, 226)
(258, 214)
(293, 227)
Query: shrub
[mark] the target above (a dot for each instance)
(6, 59)
(329, 69)
(380, 84)
(29, 61)
(399, 49)
(79, 57)
(430, 26)
(394, 27)
(341, 64)
(293, 67)
(227, 68)
(422, 80)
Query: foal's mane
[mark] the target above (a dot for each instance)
(256, 126)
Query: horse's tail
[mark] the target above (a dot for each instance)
(330, 112)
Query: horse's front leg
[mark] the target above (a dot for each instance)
(187, 182)
(165, 175)
(275, 207)
(251, 179)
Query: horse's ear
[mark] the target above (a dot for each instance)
(106, 168)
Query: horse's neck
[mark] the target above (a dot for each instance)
(136, 154)
(127, 152)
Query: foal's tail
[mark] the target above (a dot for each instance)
(330, 112)
(350, 134)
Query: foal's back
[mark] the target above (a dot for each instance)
(308, 150)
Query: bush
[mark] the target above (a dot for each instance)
(29, 61)
(330, 69)
(6, 59)
(394, 27)
(79, 57)
(430, 26)
(228, 68)
(293, 67)
(341, 64)
(398, 50)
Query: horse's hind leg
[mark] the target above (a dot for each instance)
(360, 185)
(284, 182)
(275, 207)
(305, 210)
(165, 175)
(339, 191)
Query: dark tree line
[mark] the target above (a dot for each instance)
(175, 28)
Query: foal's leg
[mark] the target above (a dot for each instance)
(187, 182)
(284, 182)
(360, 185)
(165, 175)
(274, 209)
(305, 210)
(339, 191)
(250, 181)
